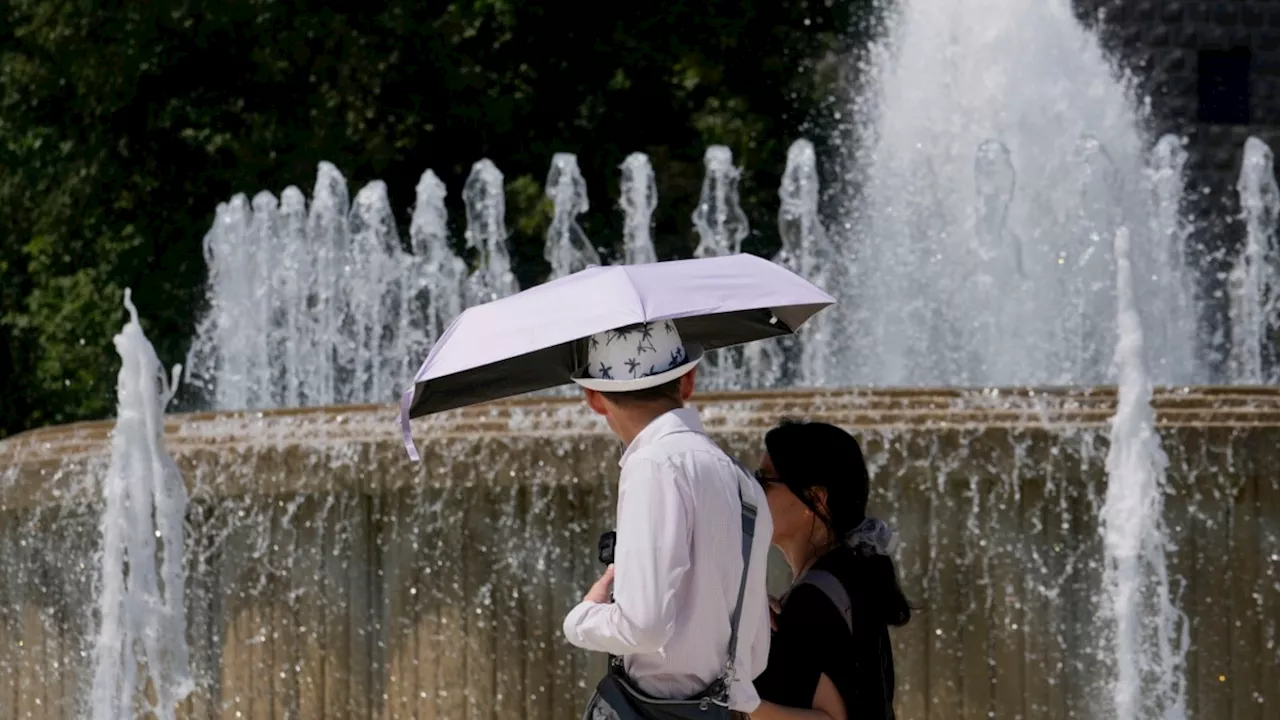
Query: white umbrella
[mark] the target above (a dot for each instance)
(529, 341)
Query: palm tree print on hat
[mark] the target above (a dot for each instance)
(619, 334)
(605, 372)
(632, 364)
(646, 341)
(677, 357)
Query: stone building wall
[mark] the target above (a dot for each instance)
(1211, 72)
(1177, 48)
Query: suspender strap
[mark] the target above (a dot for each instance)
(749, 512)
(748, 535)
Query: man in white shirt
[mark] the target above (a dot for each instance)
(678, 553)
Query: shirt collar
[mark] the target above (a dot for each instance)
(684, 419)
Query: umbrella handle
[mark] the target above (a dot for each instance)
(405, 401)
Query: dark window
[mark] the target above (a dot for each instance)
(1224, 86)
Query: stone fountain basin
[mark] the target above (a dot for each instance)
(326, 570)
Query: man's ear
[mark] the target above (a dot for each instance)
(686, 384)
(596, 401)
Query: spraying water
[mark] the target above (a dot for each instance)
(322, 305)
(328, 245)
(435, 292)
(141, 602)
(1150, 634)
(1170, 230)
(223, 348)
(567, 248)
(639, 198)
(721, 226)
(486, 205)
(962, 275)
(372, 353)
(719, 220)
(804, 359)
(1254, 297)
(291, 275)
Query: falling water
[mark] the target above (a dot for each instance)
(719, 221)
(639, 198)
(1254, 297)
(222, 346)
(994, 181)
(721, 226)
(1001, 172)
(372, 354)
(486, 205)
(141, 604)
(435, 291)
(291, 273)
(1150, 634)
(567, 248)
(328, 246)
(323, 305)
(961, 277)
(1170, 230)
(802, 360)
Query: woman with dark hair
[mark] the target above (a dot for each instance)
(830, 654)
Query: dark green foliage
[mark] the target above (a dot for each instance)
(122, 125)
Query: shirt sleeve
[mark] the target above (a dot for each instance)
(805, 627)
(651, 556)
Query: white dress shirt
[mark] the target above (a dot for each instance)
(677, 566)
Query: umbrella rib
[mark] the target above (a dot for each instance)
(644, 314)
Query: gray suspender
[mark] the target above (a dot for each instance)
(831, 586)
(748, 535)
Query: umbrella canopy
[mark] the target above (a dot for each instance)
(530, 341)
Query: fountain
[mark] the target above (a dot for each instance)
(1149, 660)
(486, 205)
(437, 276)
(721, 226)
(305, 307)
(1016, 288)
(1007, 214)
(719, 221)
(142, 612)
(567, 249)
(802, 360)
(639, 198)
(1255, 300)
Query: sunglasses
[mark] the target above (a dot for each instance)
(763, 479)
(766, 480)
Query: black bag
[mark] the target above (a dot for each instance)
(616, 698)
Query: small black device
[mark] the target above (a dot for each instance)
(605, 546)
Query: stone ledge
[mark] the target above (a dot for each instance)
(896, 409)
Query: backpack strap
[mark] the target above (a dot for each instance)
(831, 586)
